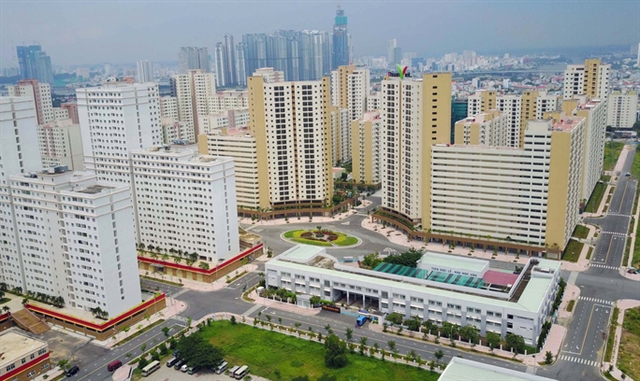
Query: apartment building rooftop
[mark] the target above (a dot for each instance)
(15, 345)
(460, 369)
(567, 124)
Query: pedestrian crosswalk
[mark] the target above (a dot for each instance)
(604, 266)
(616, 233)
(578, 360)
(618, 214)
(595, 300)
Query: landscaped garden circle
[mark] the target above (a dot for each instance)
(320, 237)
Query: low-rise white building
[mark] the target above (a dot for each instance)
(441, 288)
(186, 201)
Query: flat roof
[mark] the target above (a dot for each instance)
(15, 345)
(460, 369)
(450, 261)
(530, 300)
(567, 124)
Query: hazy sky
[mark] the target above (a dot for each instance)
(87, 31)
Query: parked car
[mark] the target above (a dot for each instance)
(632, 271)
(184, 368)
(73, 371)
(179, 365)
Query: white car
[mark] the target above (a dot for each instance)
(184, 368)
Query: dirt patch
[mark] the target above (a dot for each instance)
(63, 346)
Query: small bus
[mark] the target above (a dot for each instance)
(222, 367)
(240, 373)
(232, 372)
(147, 370)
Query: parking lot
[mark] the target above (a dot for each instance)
(77, 349)
(170, 374)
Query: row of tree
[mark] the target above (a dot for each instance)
(156, 252)
(56, 301)
(409, 258)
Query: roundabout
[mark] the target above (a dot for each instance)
(321, 237)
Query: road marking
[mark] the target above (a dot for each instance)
(595, 300)
(346, 223)
(616, 233)
(619, 215)
(579, 360)
(603, 266)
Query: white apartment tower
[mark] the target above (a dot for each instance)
(61, 144)
(115, 119)
(622, 109)
(591, 79)
(189, 207)
(192, 91)
(39, 93)
(74, 238)
(291, 123)
(511, 106)
(144, 71)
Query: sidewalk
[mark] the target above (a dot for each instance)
(571, 292)
(173, 308)
(623, 305)
(271, 303)
(202, 286)
(304, 219)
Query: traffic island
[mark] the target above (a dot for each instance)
(321, 237)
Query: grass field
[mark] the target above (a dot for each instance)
(611, 153)
(581, 231)
(572, 251)
(629, 352)
(264, 352)
(596, 198)
(635, 172)
(342, 240)
(610, 338)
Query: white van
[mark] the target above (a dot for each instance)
(222, 367)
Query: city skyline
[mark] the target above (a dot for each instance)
(76, 34)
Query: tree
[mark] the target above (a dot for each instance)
(395, 318)
(349, 334)
(548, 357)
(277, 374)
(413, 324)
(515, 342)
(163, 349)
(177, 260)
(439, 354)
(336, 352)
(155, 356)
(470, 333)
(493, 339)
(143, 348)
(371, 261)
(142, 363)
(429, 326)
(233, 320)
(173, 343)
(409, 258)
(198, 352)
(328, 329)
(204, 265)
(363, 344)
(150, 247)
(392, 346)
(165, 330)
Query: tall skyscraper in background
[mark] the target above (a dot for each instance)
(341, 50)
(145, 71)
(391, 46)
(35, 64)
(192, 92)
(227, 71)
(193, 58)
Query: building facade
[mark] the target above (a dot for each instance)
(341, 49)
(292, 126)
(366, 145)
(192, 92)
(192, 58)
(623, 109)
(144, 71)
(40, 93)
(73, 239)
(591, 79)
(35, 64)
(188, 205)
(61, 144)
(520, 307)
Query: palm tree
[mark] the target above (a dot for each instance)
(6, 309)
(154, 255)
(165, 257)
(204, 265)
(172, 251)
(150, 247)
(3, 286)
(177, 260)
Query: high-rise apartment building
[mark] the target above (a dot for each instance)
(622, 110)
(528, 195)
(240, 145)
(61, 144)
(73, 238)
(192, 209)
(591, 79)
(415, 113)
(341, 50)
(511, 107)
(19, 144)
(144, 71)
(191, 58)
(35, 64)
(487, 129)
(115, 119)
(291, 124)
(391, 48)
(366, 143)
(40, 93)
(301, 55)
(340, 135)
(481, 101)
(192, 91)
(241, 65)
(228, 100)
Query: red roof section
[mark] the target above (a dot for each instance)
(499, 278)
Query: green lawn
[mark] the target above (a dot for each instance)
(572, 251)
(629, 352)
(611, 153)
(612, 329)
(596, 198)
(265, 351)
(581, 231)
(635, 172)
(342, 240)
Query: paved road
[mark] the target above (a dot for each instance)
(96, 369)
